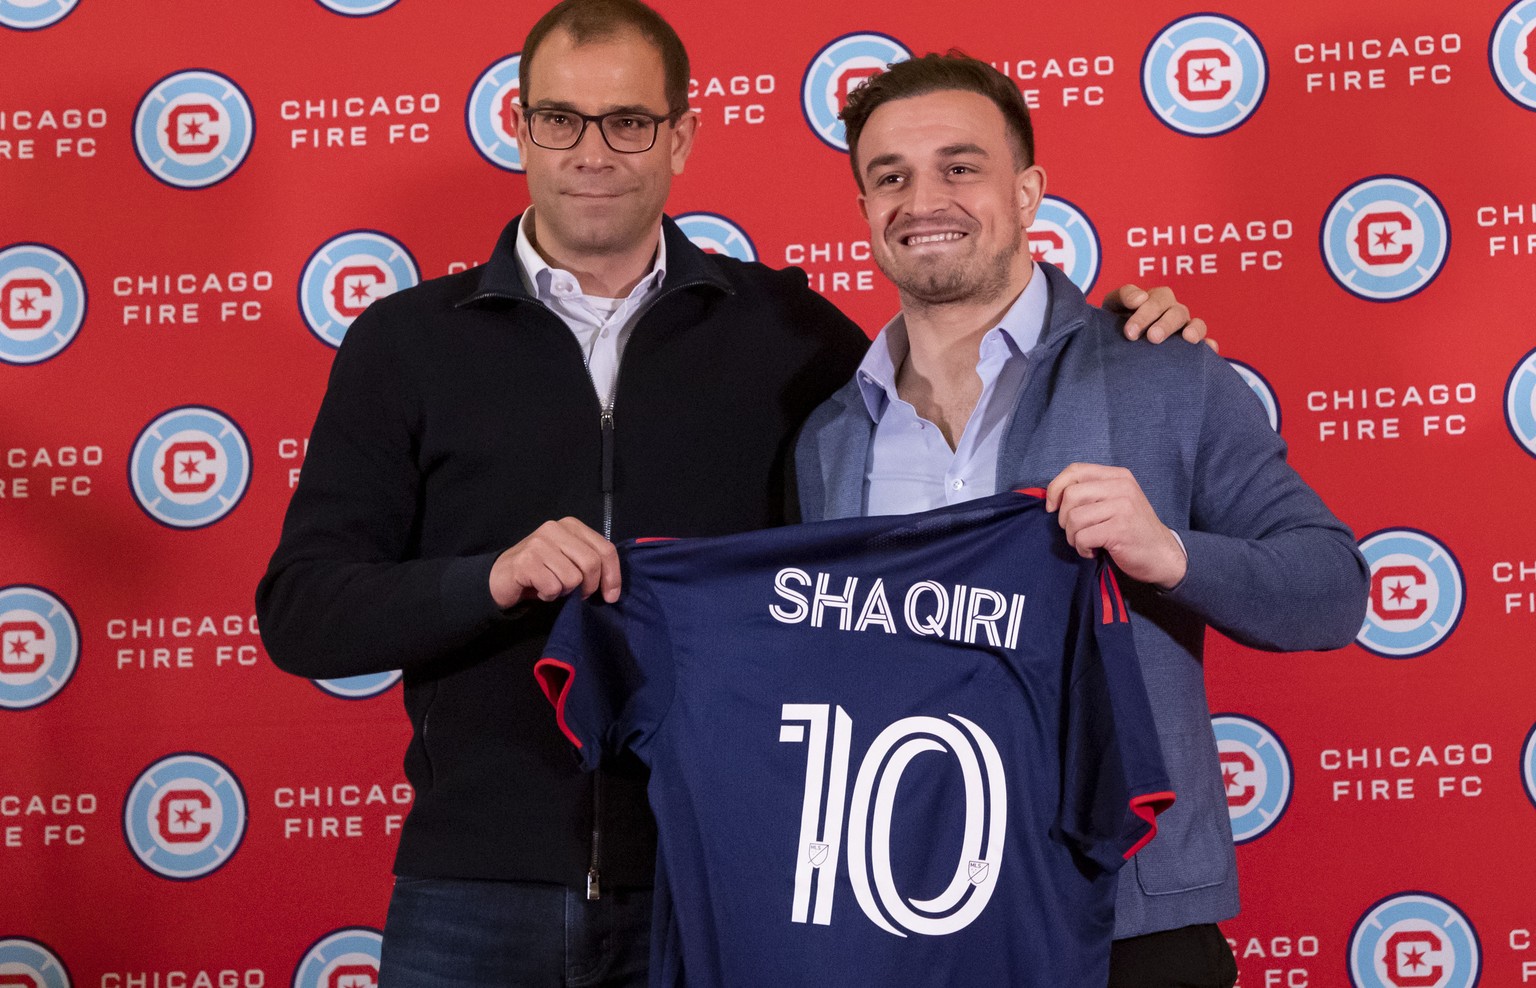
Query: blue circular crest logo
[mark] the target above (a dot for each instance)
(347, 274)
(1520, 403)
(33, 15)
(715, 234)
(184, 816)
(360, 687)
(42, 303)
(1261, 390)
(357, 8)
(490, 113)
(190, 467)
(1385, 238)
(28, 962)
(836, 71)
(1528, 764)
(1417, 593)
(193, 129)
(39, 646)
(1512, 52)
(1063, 235)
(1204, 75)
(344, 958)
(1414, 940)
(1256, 769)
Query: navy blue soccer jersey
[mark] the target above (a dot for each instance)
(884, 751)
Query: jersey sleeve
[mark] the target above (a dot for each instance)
(1114, 783)
(607, 671)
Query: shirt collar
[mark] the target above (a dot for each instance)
(544, 282)
(1019, 330)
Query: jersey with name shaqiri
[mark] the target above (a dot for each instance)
(884, 751)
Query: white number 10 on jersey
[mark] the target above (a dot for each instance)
(869, 818)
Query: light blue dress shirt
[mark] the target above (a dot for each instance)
(911, 467)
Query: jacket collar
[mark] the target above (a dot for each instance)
(502, 277)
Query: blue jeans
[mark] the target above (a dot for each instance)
(450, 933)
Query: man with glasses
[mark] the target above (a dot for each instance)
(487, 410)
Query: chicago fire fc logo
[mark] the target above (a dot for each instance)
(1528, 764)
(190, 467)
(490, 113)
(39, 646)
(361, 687)
(1063, 235)
(1385, 238)
(344, 958)
(1261, 390)
(1257, 771)
(1417, 593)
(357, 8)
(347, 274)
(193, 129)
(184, 816)
(27, 963)
(42, 303)
(714, 234)
(1414, 940)
(1520, 403)
(837, 71)
(1204, 75)
(1512, 52)
(33, 15)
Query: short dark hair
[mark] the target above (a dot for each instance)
(935, 73)
(597, 20)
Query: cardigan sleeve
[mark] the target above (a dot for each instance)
(1269, 564)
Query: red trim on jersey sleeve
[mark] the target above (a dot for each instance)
(1148, 807)
(1109, 588)
(656, 538)
(555, 679)
(1031, 491)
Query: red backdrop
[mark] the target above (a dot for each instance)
(1344, 191)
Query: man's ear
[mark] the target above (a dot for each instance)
(682, 140)
(1031, 189)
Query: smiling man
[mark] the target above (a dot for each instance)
(997, 375)
(475, 456)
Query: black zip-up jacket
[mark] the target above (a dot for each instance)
(458, 418)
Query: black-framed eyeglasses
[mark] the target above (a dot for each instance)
(626, 131)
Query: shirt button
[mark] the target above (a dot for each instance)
(957, 484)
(604, 334)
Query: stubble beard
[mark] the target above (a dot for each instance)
(980, 280)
